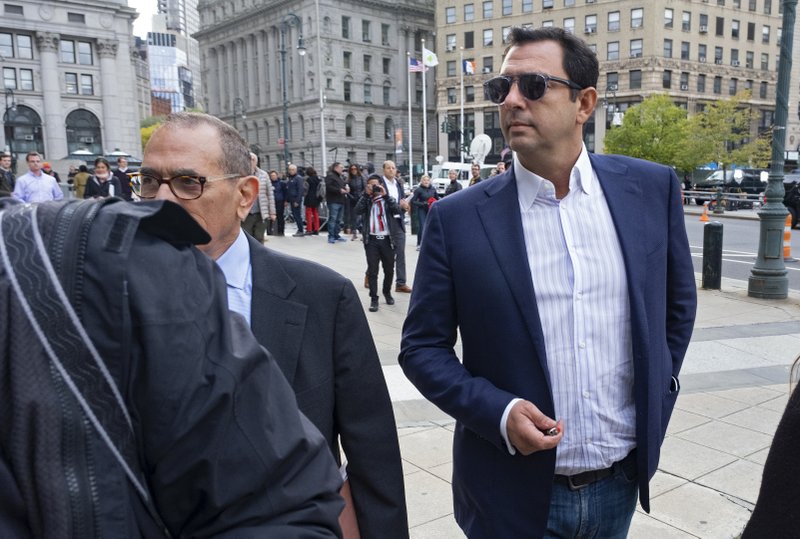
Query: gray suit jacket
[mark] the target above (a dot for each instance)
(311, 320)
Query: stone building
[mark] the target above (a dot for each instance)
(360, 87)
(697, 51)
(69, 78)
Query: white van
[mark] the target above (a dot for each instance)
(440, 174)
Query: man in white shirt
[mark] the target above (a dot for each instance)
(35, 185)
(395, 188)
(570, 281)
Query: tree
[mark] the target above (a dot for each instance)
(655, 129)
(147, 132)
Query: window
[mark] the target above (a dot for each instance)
(67, 51)
(546, 24)
(735, 29)
(450, 42)
(369, 127)
(348, 125)
(720, 26)
(488, 37)
(469, 40)
(613, 21)
(9, 78)
(547, 4)
(686, 21)
(667, 48)
(751, 31)
(749, 59)
(612, 81)
(767, 7)
(569, 3)
(591, 24)
(24, 47)
(488, 64)
(6, 45)
(469, 12)
(386, 91)
(637, 16)
(734, 57)
(451, 96)
(701, 52)
(751, 5)
(87, 88)
(762, 90)
(72, 83)
(527, 6)
(12, 9)
(488, 9)
(506, 30)
(684, 81)
(507, 7)
(26, 79)
(765, 34)
(636, 48)
(368, 93)
(367, 62)
(469, 94)
(366, 32)
(717, 55)
(764, 61)
(385, 34)
(451, 68)
(569, 25)
(612, 50)
(78, 18)
(669, 15)
(748, 85)
(347, 90)
(635, 79)
(732, 84)
(717, 85)
(701, 83)
(666, 79)
(347, 57)
(345, 27)
(450, 15)
(685, 53)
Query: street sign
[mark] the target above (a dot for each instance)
(281, 141)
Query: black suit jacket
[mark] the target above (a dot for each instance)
(310, 318)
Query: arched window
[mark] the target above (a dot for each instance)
(266, 132)
(83, 132)
(302, 128)
(349, 121)
(388, 129)
(369, 127)
(23, 129)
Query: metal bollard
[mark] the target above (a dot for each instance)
(712, 256)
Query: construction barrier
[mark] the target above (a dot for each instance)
(704, 217)
(787, 239)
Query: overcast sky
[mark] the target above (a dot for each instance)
(146, 9)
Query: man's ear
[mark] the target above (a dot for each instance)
(248, 193)
(587, 100)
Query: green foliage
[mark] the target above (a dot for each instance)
(151, 120)
(147, 132)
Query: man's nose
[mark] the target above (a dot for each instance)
(514, 97)
(165, 193)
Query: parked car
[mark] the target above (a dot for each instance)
(750, 181)
(440, 174)
(791, 196)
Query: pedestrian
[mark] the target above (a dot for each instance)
(102, 183)
(257, 219)
(424, 196)
(574, 298)
(48, 169)
(475, 170)
(377, 208)
(121, 174)
(395, 188)
(336, 195)
(81, 179)
(279, 190)
(312, 201)
(356, 181)
(294, 196)
(35, 185)
(7, 178)
(454, 186)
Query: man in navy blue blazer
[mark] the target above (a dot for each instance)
(570, 280)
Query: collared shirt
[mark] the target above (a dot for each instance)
(235, 264)
(580, 282)
(393, 190)
(41, 188)
(378, 225)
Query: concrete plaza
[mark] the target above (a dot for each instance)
(735, 385)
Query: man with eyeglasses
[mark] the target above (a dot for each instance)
(574, 298)
(309, 317)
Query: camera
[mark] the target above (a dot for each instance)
(376, 189)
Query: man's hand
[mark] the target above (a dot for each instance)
(404, 204)
(526, 426)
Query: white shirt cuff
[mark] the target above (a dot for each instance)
(503, 420)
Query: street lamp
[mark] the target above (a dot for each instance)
(289, 20)
(610, 106)
(238, 103)
(768, 276)
(11, 106)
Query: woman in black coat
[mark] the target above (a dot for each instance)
(312, 202)
(103, 183)
(421, 201)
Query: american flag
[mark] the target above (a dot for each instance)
(414, 65)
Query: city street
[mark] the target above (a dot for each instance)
(735, 384)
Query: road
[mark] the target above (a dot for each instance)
(740, 246)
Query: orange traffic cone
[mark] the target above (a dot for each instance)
(787, 239)
(704, 217)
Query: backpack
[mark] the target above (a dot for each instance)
(321, 190)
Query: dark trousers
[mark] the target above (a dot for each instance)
(280, 220)
(254, 225)
(298, 218)
(421, 216)
(399, 241)
(379, 251)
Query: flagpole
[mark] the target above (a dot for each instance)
(410, 160)
(461, 124)
(424, 114)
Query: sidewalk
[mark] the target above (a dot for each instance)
(734, 389)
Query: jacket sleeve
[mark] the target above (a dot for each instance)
(228, 453)
(365, 421)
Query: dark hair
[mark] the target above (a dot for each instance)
(580, 62)
(83, 168)
(310, 171)
(32, 154)
(334, 165)
(234, 154)
(353, 165)
(102, 160)
(121, 158)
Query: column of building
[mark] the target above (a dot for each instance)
(107, 51)
(263, 64)
(55, 136)
(252, 71)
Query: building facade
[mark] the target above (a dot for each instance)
(353, 73)
(69, 78)
(697, 51)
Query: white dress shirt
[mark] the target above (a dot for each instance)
(235, 264)
(579, 278)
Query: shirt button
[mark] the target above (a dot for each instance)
(586, 394)
(582, 344)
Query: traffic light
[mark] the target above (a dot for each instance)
(446, 128)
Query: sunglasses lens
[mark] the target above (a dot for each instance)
(496, 90)
(532, 86)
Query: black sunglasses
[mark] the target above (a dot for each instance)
(531, 85)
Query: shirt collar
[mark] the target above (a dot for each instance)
(235, 262)
(530, 185)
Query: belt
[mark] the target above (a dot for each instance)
(584, 479)
(377, 237)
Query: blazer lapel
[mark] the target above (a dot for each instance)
(502, 223)
(278, 323)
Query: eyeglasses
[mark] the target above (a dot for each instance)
(531, 85)
(184, 186)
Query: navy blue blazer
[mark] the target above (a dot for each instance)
(479, 283)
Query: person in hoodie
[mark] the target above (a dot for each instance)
(312, 202)
(103, 183)
(424, 196)
(279, 188)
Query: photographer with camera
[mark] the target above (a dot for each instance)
(376, 207)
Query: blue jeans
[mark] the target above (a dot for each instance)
(603, 509)
(334, 216)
